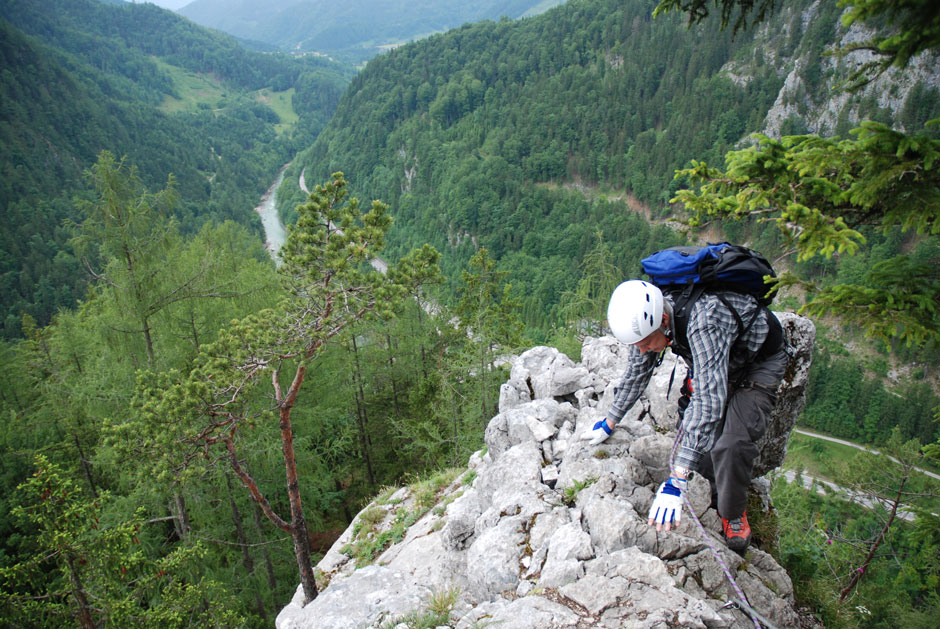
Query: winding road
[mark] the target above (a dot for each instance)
(809, 482)
(810, 433)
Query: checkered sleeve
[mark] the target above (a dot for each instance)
(635, 377)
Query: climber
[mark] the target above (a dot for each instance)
(734, 371)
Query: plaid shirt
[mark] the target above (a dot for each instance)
(717, 356)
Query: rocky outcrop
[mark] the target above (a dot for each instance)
(812, 91)
(543, 530)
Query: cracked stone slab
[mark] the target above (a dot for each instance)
(529, 612)
(596, 593)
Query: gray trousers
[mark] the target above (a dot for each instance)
(731, 461)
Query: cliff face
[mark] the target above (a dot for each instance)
(545, 531)
(812, 94)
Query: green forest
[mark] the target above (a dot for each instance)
(437, 131)
(162, 373)
(80, 77)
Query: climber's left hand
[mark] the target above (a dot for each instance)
(666, 509)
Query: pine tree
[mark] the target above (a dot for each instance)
(330, 287)
(488, 313)
(96, 571)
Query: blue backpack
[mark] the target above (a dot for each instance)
(716, 267)
(687, 272)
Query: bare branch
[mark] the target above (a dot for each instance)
(252, 486)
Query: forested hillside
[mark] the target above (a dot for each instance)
(354, 31)
(471, 136)
(180, 445)
(553, 143)
(81, 76)
(468, 135)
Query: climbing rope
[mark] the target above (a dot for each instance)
(741, 602)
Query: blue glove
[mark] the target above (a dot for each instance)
(598, 433)
(667, 507)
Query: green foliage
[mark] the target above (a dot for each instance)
(571, 492)
(842, 402)
(370, 539)
(329, 287)
(907, 28)
(857, 566)
(528, 138)
(517, 160)
(82, 76)
(487, 309)
(112, 430)
(98, 571)
(439, 607)
(913, 27)
(818, 192)
(74, 379)
(740, 10)
(585, 308)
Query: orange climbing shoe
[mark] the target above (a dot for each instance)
(737, 533)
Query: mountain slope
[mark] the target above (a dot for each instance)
(545, 530)
(81, 76)
(467, 133)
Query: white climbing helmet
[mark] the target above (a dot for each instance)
(635, 311)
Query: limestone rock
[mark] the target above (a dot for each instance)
(365, 598)
(552, 532)
(542, 372)
(800, 333)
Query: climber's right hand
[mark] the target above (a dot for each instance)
(598, 433)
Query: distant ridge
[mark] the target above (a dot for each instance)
(355, 30)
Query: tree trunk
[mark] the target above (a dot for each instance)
(298, 525)
(456, 419)
(181, 519)
(364, 441)
(483, 385)
(84, 609)
(424, 352)
(268, 564)
(192, 324)
(857, 575)
(391, 368)
(144, 322)
(85, 468)
(149, 340)
(342, 491)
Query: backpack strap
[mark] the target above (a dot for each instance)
(742, 329)
(682, 309)
(682, 301)
(775, 339)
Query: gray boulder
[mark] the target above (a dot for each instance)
(552, 532)
(800, 333)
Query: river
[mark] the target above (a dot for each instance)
(274, 233)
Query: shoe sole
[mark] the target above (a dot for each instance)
(737, 544)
